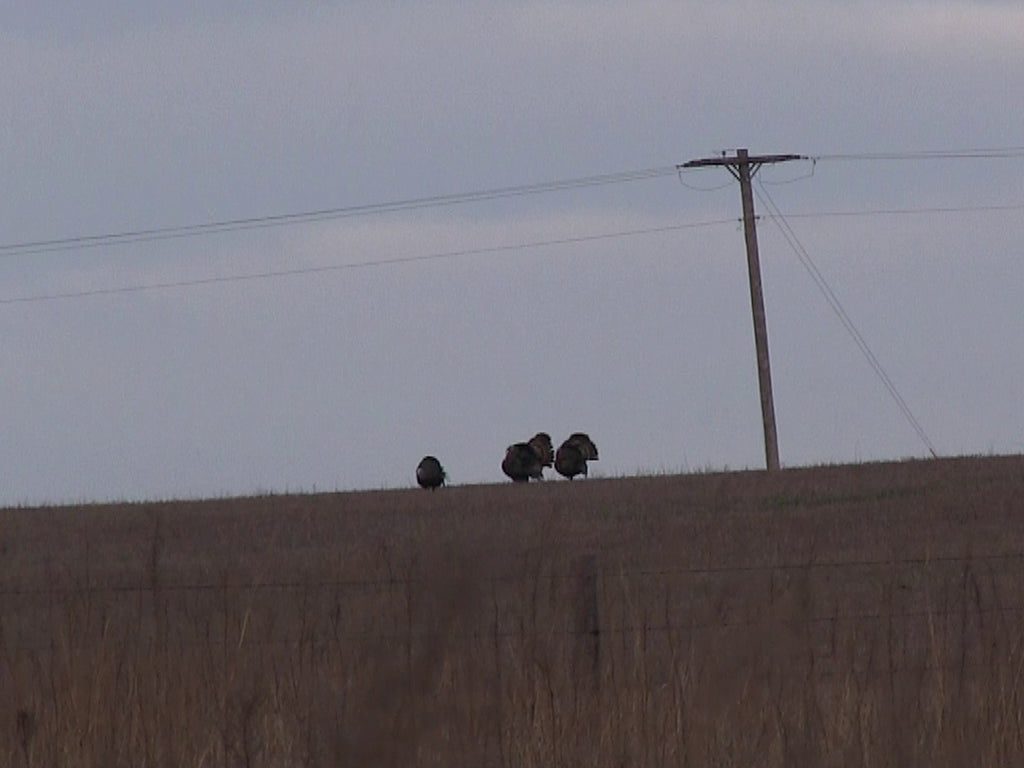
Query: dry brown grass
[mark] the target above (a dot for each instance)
(838, 616)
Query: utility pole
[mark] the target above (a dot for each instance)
(743, 167)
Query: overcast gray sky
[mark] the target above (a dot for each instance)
(126, 117)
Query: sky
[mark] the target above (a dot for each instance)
(331, 352)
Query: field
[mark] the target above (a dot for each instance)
(867, 615)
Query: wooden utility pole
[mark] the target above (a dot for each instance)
(743, 167)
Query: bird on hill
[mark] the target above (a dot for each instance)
(522, 462)
(430, 474)
(572, 455)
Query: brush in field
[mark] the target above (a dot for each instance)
(572, 456)
(544, 448)
(522, 462)
(429, 473)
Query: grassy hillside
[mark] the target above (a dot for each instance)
(848, 615)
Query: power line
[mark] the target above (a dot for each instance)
(79, 242)
(482, 251)
(358, 265)
(989, 153)
(278, 220)
(844, 317)
(33, 247)
(908, 211)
